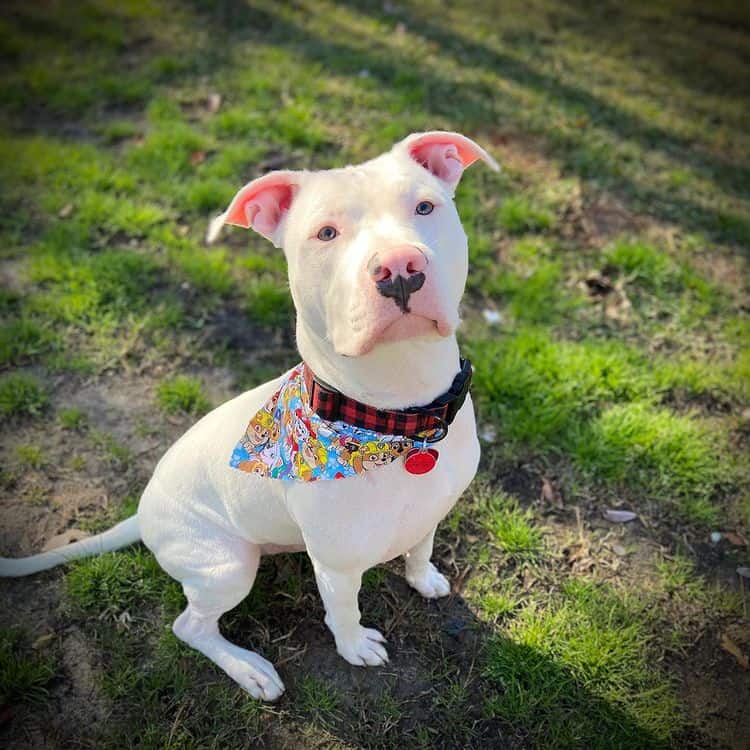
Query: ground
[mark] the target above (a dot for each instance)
(606, 316)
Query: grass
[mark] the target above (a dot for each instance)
(598, 402)
(318, 698)
(116, 453)
(21, 340)
(585, 646)
(671, 455)
(30, 456)
(268, 303)
(24, 677)
(518, 216)
(182, 394)
(113, 583)
(511, 528)
(495, 600)
(22, 396)
(641, 261)
(613, 243)
(72, 419)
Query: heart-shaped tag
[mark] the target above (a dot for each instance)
(420, 461)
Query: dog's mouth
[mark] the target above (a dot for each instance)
(405, 327)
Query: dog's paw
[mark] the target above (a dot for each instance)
(430, 582)
(362, 648)
(253, 673)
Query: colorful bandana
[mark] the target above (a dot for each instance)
(287, 440)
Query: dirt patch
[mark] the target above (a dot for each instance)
(75, 700)
(87, 472)
(522, 153)
(434, 648)
(719, 705)
(595, 220)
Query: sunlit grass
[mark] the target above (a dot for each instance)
(511, 528)
(518, 215)
(586, 646)
(182, 394)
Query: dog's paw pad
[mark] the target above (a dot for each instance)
(430, 582)
(363, 648)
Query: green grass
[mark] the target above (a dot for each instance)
(116, 453)
(535, 295)
(22, 340)
(208, 270)
(641, 261)
(623, 145)
(24, 676)
(268, 303)
(22, 396)
(114, 582)
(30, 456)
(669, 454)
(586, 647)
(182, 394)
(80, 290)
(496, 599)
(72, 419)
(511, 528)
(598, 402)
(519, 215)
(317, 697)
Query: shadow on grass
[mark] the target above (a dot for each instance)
(453, 680)
(683, 46)
(476, 105)
(479, 110)
(627, 126)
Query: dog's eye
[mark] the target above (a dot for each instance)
(326, 234)
(424, 208)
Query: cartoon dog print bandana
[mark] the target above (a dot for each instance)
(286, 440)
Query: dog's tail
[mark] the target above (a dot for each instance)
(125, 533)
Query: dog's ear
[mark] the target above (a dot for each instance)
(445, 154)
(262, 204)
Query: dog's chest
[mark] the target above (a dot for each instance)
(383, 513)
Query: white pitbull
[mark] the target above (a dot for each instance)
(377, 263)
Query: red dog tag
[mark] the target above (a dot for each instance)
(420, 461)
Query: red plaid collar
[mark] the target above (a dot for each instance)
(420, 422)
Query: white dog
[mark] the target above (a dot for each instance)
(377, 264)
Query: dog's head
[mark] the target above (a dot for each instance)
(376, 252)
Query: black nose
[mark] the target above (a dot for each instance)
(400, 288)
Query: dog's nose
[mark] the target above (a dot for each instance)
(403, 260)
(398, 272)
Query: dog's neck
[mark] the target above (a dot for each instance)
(391, 376)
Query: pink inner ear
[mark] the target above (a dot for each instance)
(442, 159)
(261, 204)
(445, 156)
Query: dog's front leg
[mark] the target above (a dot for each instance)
(421, 574)
(339, 591)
